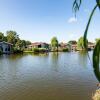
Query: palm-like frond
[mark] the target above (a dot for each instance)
(87, 27)
(96, 52)
(98, 3)
(76, 5)
(96, 58)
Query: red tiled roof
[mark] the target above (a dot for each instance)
(38, 43)
(90, 43)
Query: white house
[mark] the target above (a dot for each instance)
(39, 45)
(6, 47)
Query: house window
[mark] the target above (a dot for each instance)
(6, 49)
(39, 46)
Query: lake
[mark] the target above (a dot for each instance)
(53, 76)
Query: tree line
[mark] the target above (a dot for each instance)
(80, 43)
(18, 44)
(13, 38)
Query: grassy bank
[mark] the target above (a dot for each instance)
(36, 50)
(27, 51)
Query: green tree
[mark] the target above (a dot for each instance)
(81, 43)
(28, 43)
(19, 44)
(98, 39)
(12, 37)
(54, 43)
(23, 42)
(5, 39)
(1, 36)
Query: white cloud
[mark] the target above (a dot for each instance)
(72, 20)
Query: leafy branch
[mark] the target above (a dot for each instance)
(96, 52)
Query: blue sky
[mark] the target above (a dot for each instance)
(40, 20)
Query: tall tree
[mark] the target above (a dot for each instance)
(5, 38)
(23, 43)
(81, 43)
(19, 44)
(1, 36)
(98, 39)
(54, 43)
(12, 37)
(28, 43)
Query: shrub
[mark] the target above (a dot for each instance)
(15, 50)
(42, 50)
(35, 50)
(39, 50)
(65, 50)
(28, 51)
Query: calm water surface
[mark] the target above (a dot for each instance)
(62, 76)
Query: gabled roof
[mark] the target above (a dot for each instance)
(63, 44)
(72, 42)
(90, 43)
(38, 43)
(5, 43)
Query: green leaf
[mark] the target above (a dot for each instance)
(98, 3)
(76, 5)
(87, 27)
(96, 58)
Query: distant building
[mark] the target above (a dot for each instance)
(91, 45)
(63, 45)
(72, 45)
(39, 45)
(6, 47)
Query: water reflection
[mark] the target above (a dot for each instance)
(53, 76)
(38, 54)
(15, 56)
(83, 58)
(19, 56)
(54, 58)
